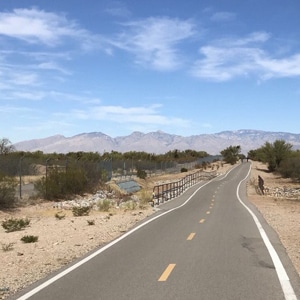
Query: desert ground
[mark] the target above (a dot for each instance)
(61, 241)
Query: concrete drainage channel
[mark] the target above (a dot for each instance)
(130, 186)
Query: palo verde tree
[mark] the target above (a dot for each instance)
(274, 153)
(231, 154)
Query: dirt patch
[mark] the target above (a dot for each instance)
(280, 209)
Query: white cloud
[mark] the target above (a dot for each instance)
(228, 59)
(285, 67)
(255, 37)
(223, 16)
(38, 26)
(23, 68)
(128, 115)
(8, 110)
(117, 9)
(155, 41)
(50, 65)
(23, 78)
(28, 95)
(222, 64)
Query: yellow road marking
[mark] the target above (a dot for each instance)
(208, 212)
(191, 236)
(167, 272)
(202, 221)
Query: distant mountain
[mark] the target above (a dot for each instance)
(157, 142)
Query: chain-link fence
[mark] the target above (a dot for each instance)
(28, 170)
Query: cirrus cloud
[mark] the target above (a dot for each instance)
(155, 41)
(226, 59)
(36, 26)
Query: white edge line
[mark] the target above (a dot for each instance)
(86, 259)
(284, 280)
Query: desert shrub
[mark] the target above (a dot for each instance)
(104, 205)
(91, 222)
(130, 205)
(8, 187)
(29, 239)
(290, 168)
(7, 247)
(13, 224)
(81, 211)
(145, 199)
(60, 215)
(60, 184)
(104, 176)
(183, 170)
(141, 174)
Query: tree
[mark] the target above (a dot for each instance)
(6, 146)
(274, 153)
(290, 168)
(8, 187)
(231, 154)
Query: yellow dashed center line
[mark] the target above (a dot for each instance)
(208, 212)
(167, 272)
(202, 221)
(191, 236)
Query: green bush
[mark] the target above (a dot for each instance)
(104, 205)
(141, 174)
(8, 187)
(81, 211)
(183, 170)
(61, 183)
(130, 205)
(290, 168)
(29, 239)
(13, 224)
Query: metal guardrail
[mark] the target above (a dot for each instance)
(168, 191)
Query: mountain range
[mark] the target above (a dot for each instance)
(157, 142)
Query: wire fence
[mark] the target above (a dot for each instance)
(28, 170)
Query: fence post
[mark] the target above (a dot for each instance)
(20, 175)
(46, 183)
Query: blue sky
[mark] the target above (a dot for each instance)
(183, 67)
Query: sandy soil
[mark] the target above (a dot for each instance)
(61, 241)
(280, 206)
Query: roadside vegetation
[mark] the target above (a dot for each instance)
(280, 158)
(61, 176)
(57, 176)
